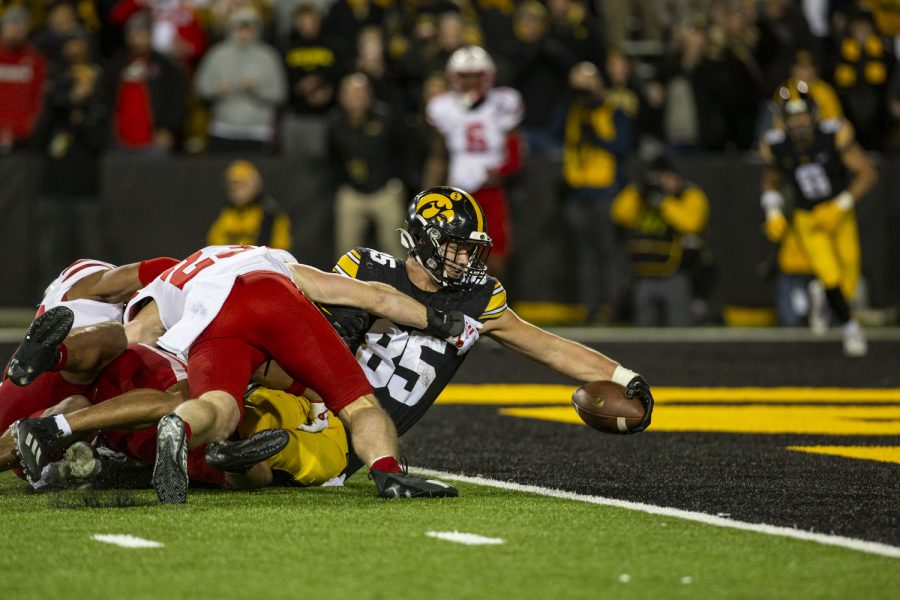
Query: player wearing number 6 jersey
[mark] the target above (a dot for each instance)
(476, 145)
(448, 244)
(827, 173)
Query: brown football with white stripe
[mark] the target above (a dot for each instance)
(603, 406)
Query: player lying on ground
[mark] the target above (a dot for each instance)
(126, 399)
(95, 292)
(243, 309)
(448, 244)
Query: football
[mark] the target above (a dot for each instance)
(603, 406)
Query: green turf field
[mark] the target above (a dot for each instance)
(345, 543)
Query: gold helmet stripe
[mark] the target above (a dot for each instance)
(479, 216)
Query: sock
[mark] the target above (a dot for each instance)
(63, 424)
(61, 358)
(851, 326)
(838, 304)
(296, 388)
(386, 464)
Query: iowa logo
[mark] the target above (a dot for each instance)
(433, 205)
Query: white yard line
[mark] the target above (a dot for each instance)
(125, 541)
(469, 539)
(664, 511)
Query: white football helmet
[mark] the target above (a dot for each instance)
(471, 73)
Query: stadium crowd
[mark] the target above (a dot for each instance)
(80, 78)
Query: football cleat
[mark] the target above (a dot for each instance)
(404, 485)
(36, 441)
(240, 456)
(170, 475)
(39, 351)
(855, 344)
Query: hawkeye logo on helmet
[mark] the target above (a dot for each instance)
(433, 205)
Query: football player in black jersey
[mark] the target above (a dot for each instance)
(828, 172)
(448, 244)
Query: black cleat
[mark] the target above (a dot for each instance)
(36, 441)
(39, 351)
(238, 457)
(170, 474)
(404, 485)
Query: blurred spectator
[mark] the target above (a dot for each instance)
(22, 72)
(346, 18)
(782, 32)
(312, 65)
(476, 145)
(71, 134)
(495, 17)
(619, 19)
(597, 139)
(571, 26)
(861, 76)
(736, 85)
(244, 80)
(371, 60)
(687, 75)
(641, 101)
(177, 32)
(251, 217)
(62, 20)
(822, 93)
(664, 216)
(146, 92)
(538, 63)
(286, 9)
(363, 146)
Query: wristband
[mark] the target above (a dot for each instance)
(771, 199)
(844, 200)
(623, 376)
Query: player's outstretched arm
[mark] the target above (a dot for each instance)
(119, 284)
(378, 299)
(568, 357)
(562, 355)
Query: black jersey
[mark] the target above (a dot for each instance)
(406, 368)
(816, 171)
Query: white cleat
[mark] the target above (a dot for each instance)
(855, 344)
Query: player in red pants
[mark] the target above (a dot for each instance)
(153, 382)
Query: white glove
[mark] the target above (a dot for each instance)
(468, 337)
(319, 421)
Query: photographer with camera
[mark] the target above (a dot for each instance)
(664, 215)
(598, 138)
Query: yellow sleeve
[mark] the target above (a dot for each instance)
(348, 264)
(281, 233)
(829, 104)
(218, 234)
(626, 208)
(688, 213)
(845, 135)
(496, 306)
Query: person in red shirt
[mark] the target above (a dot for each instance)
(147, 92)
(22, 72)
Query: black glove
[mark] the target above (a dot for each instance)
(444, 324)
(640, 388)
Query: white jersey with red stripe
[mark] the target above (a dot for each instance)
(87, 312)
(191, 294)
(475, 137)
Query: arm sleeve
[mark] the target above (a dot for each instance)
(626, 208)
(688, 213)
(496, 305)
(148, 270)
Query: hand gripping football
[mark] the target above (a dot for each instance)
(603, 406)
